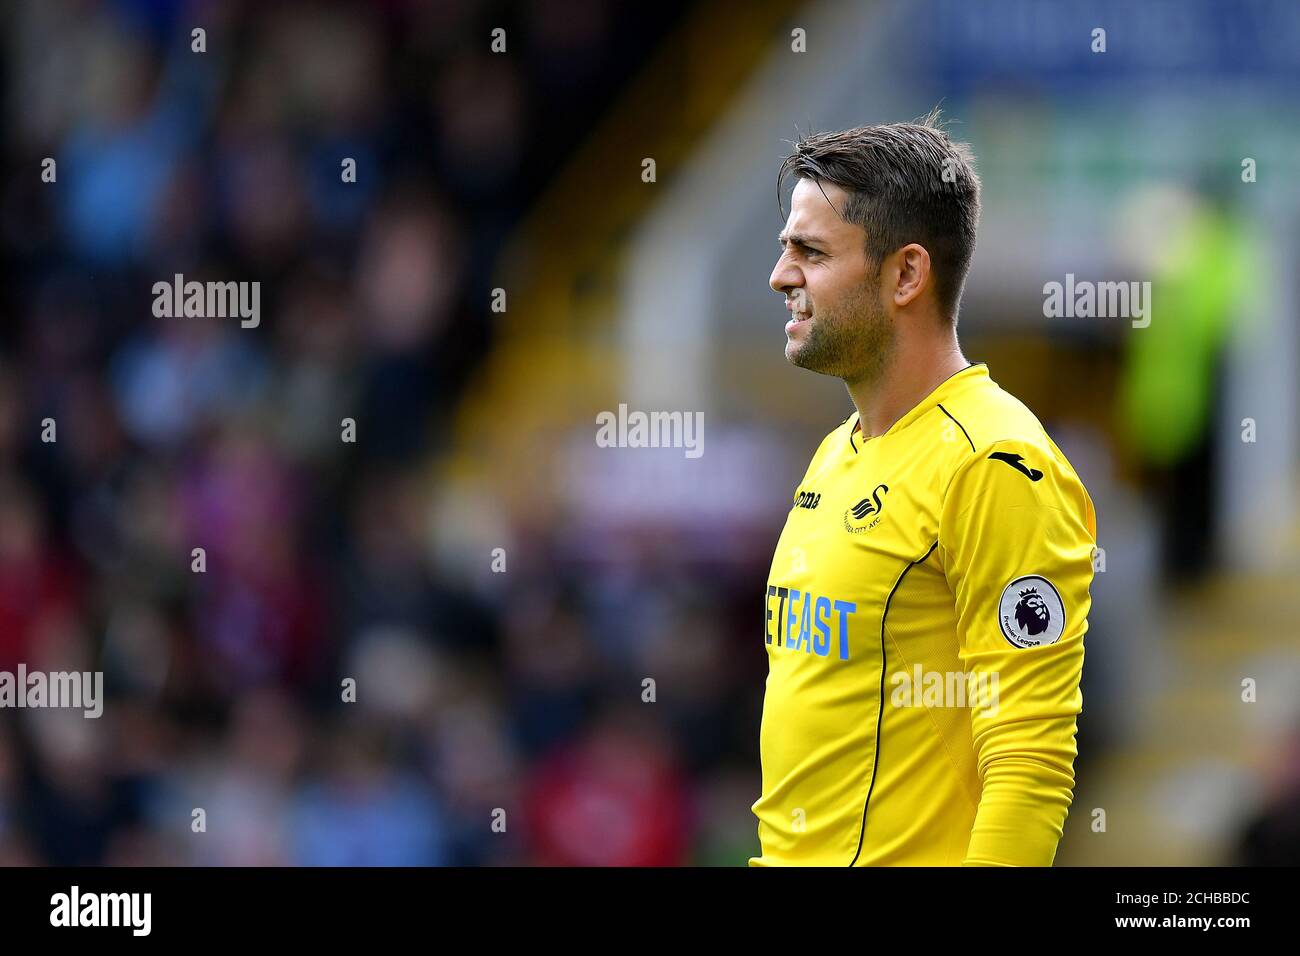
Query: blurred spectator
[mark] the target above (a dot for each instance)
(613, 797)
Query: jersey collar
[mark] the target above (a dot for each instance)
(954, 383)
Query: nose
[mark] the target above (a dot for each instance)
(785, 276)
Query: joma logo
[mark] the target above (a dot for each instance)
(807, 499)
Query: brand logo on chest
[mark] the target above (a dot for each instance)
(807, 499)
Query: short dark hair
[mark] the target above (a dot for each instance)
(906, 182)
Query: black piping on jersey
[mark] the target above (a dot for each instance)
(957, 423)
(875, 757)
(854, 446)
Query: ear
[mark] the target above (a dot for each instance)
(911, 265)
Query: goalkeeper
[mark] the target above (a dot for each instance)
(928, 597)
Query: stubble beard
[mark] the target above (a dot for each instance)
(853, 341)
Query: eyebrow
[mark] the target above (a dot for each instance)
(800, 239)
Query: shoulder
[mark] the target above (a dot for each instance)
(1007, 450)
(841, 438)
(836, 443)
(988, 415)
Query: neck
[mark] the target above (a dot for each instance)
(915, 370)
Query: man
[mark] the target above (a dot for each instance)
(928, 596)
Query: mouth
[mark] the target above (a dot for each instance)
(797, 321)
(798, 317)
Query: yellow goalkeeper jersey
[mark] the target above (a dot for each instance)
(924, 626)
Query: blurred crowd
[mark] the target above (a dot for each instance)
(484, 729)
